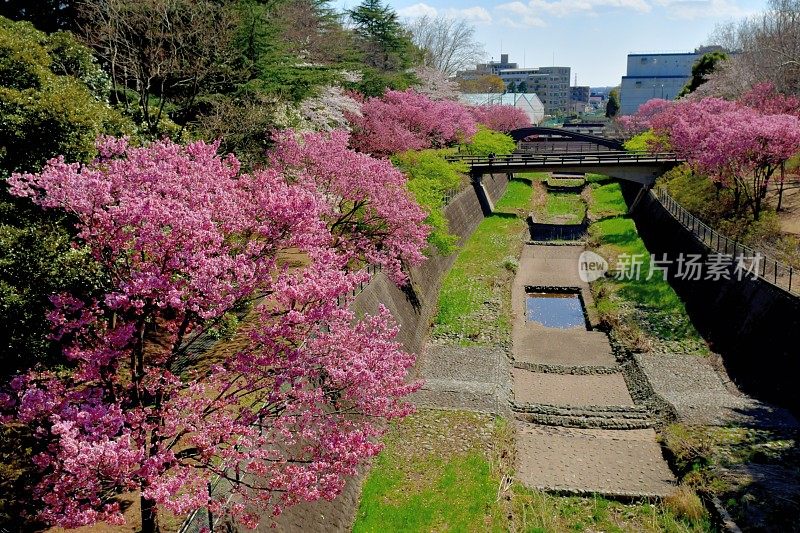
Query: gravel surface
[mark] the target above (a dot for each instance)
(474, 378)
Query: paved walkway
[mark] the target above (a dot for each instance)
(579, 429)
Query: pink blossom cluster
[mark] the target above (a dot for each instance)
(407, 120)
(764, 98)
(738, 144)
(722, 138)
(185, 238)
(503, 118)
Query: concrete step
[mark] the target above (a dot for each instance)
(590, 416)
(611, 462)
(556, 347)
(569, 390)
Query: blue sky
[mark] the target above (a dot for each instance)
(591, 36)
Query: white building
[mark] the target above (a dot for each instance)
(528, 102)
(654, 76)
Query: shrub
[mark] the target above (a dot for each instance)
(430, 178)
(487, 142)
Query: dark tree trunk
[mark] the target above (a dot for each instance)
(148, 515)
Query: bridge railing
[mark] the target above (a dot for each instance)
(604, 157)
(545, 146)
(765, 267)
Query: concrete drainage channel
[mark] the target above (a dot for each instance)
(585, 412)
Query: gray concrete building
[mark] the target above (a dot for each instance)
(654, 76)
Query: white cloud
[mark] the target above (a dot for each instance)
(693, 9)
(520, 15)
(417, 10)
(475, 14)
(530, 13)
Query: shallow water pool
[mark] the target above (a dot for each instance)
(555, 310)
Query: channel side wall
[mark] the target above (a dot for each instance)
(413, 310)
(752, 324)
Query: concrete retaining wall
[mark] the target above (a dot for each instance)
(753, 325)
(413, 310)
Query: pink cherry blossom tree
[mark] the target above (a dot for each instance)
(502, 118)
(738, 144)
(407, 120)
(186, 238)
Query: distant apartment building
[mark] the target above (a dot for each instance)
(551, 84)
(654, 76)
(486, 69)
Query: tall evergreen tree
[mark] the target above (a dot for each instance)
(385, 43)
(612, 107)
(701, 70)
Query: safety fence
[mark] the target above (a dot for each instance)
(765, 267)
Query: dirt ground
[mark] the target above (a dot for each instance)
(789, 215)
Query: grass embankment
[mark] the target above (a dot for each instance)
(474, 302)
(752, 471)
(644, 314)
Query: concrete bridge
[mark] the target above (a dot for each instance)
(637, 167)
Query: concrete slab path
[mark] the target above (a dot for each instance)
(571, 397)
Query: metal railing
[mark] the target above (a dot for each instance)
(566, 159)
(542, 147)
(771, 270)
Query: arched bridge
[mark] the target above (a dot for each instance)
(637, 167)
(567, 138)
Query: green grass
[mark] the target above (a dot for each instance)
(472, 302)
(644, 311)
(435, 474)
(441, 470)
(565, 182)
(460, 498)
(517, 195)
(607, 201)
(567, 208)
(538, 512)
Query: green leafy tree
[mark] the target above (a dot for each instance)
(430, 179)
(522, 87)
(511, 87)
(386, 45)
(51, 102)
(612, 106)
(701, 69)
